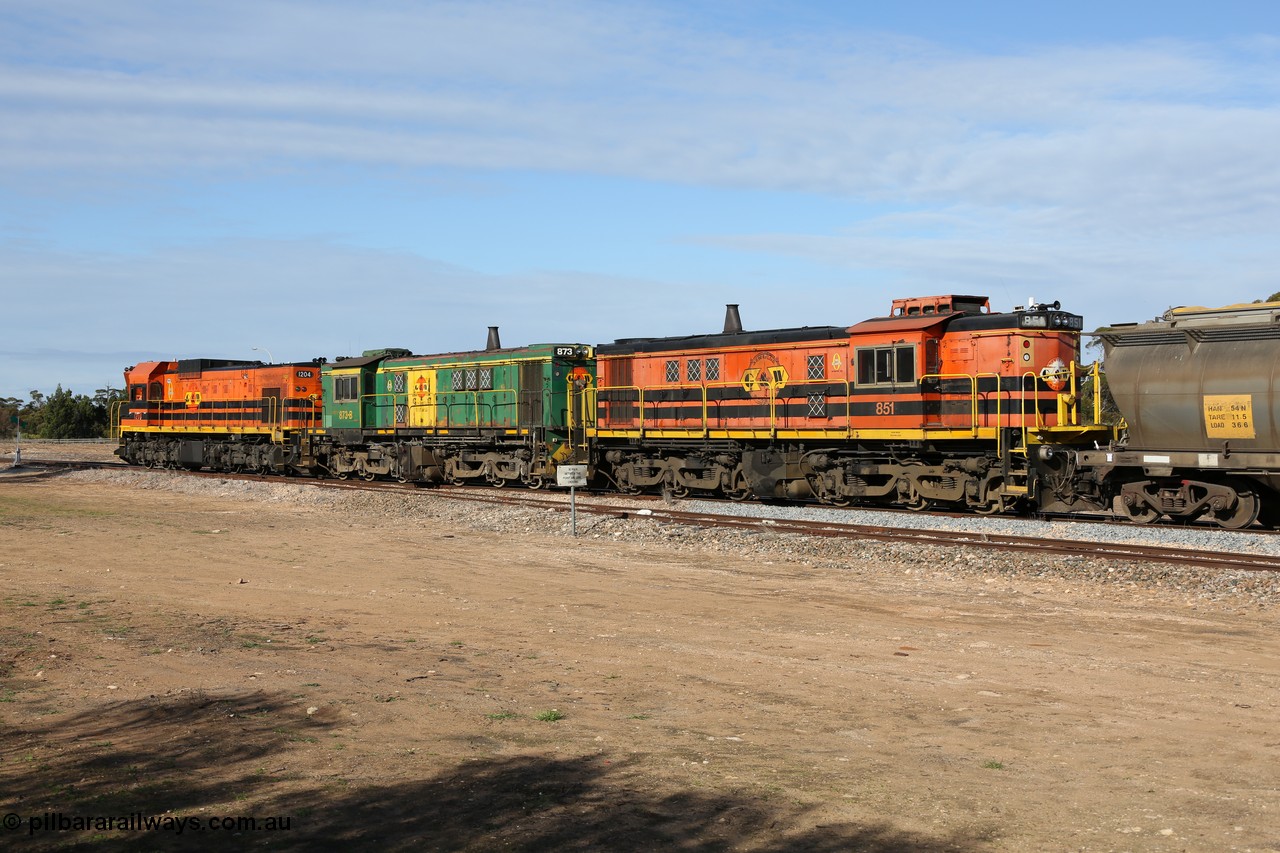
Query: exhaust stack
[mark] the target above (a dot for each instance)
(732, 322)
(493, 342)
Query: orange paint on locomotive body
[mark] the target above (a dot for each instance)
(220, 396)
(935, 364)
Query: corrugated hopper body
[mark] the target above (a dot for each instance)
(1200, 379)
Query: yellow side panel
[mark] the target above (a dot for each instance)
(422, 398)
(1229, 416)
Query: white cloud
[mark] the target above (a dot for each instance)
(1129, 174)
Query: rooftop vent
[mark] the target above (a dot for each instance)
(732, 322)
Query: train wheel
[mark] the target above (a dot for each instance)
(497, 482)
(1140, 514)
(1269, 512)
(1244, 513)
(368, 476)
(679, 492)
(739, 491)
(918, 503)
(536, 481)
(993, 507)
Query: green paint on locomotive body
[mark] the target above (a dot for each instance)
(516, 391)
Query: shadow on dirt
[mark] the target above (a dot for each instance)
(204, 756)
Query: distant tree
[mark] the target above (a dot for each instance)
(1110, 412)
(68, 415)
(32, 414)
(10, 408)
(60, 415)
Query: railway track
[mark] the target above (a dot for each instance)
(947, 538)
(589, 505)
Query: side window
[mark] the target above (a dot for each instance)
(817, 367)
(673, 371)
(486, 379)
(713, 370)
(866, 366)
(693, 370)
(345, 388)
(884, 366)
(459, 379)
(887, 366)
(905, 369)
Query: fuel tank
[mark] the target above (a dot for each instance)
(1199, 378)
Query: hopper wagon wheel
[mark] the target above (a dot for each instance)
(368, 476)
(497, 482)
(679, 492)
(1269, 512)
(1144, 514)
(536, 481)
(1244, 513)
(342, 475)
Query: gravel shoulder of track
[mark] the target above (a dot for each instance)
(1194, 586)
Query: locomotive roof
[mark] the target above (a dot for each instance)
(723, 340)
(404, 357)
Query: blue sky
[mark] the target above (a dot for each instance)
(317, 178)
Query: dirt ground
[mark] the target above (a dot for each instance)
(386, 685)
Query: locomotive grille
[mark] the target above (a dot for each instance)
(398, 383)
(401, 412)
(817, 405)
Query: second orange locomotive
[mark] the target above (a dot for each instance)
(941, 401)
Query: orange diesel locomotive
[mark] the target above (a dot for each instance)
(217, 413)
(941, 402)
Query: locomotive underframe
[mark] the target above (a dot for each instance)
(916, 475)
(493, 459)
(230, 453)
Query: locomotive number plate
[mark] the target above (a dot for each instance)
(1229, 416)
